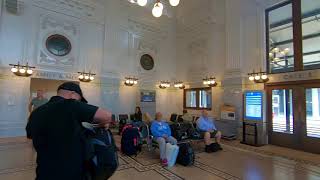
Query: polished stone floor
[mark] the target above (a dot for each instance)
(236, 161)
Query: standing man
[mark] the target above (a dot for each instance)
(37, 101)
(208, 129)
(55, 129)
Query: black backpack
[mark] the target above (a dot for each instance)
(101, 158)
(130, 141)
(213, 147)
(180, 131)
(186, 155)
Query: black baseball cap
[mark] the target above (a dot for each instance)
(71, 86)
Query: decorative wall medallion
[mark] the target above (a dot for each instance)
(147, 62)
(58, 41)
(58, 45)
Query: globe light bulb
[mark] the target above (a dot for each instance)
(264, 77)
(131, 81)
(270, 54)
(29, 71)
(127, 81)
(205, 82)
(14, 70)
(257, 77)
(81, 76)
(276, 59)
(286, 50)
(135, 82)
(86, 77)
(91, 78)
(276, 50)
(142, 2)
(251, 78)
(22, 70)
(174, 2)
(212, 82)
(157, 10)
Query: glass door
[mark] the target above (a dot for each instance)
(281, 128)
(294, 115)
(282, 119)
(311, 133)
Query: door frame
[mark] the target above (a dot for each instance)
(298, 140)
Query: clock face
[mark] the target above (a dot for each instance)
(58, 45)
(147, 62)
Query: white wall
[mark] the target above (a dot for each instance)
(108, 38)
(198, 38)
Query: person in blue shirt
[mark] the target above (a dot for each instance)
(161, 132)
(208, 129)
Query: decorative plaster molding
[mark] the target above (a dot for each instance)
(142, 29)
(50, 25)
(146, 47)
(84, 9)
(202, 26)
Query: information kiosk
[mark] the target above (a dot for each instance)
(254, 121)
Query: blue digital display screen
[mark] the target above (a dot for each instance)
(253, 105)
(148, 97)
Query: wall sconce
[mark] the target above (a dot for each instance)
(258, 77)
(179, 85)
(86, 77)
(164, 84)
(22, 70)
(130, 81)
(211, 82)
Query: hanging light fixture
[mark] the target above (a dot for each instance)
(164, 84)
(210, 81)
(86, 77)
(142, 2)
(157, 9)
(258, 77)
(174, 2)
(179, 84)
(21, 70)
(130, 81)
(277, 55)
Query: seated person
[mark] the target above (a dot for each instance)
(207, 129)
(162, 134)
(187, 117)
(138, 114)
(137, 117)
(147, 118)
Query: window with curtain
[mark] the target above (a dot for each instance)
(198, 98)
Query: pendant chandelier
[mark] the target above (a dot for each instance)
(157, 7)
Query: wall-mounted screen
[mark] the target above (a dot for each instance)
(148, 96)
(253, 105)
